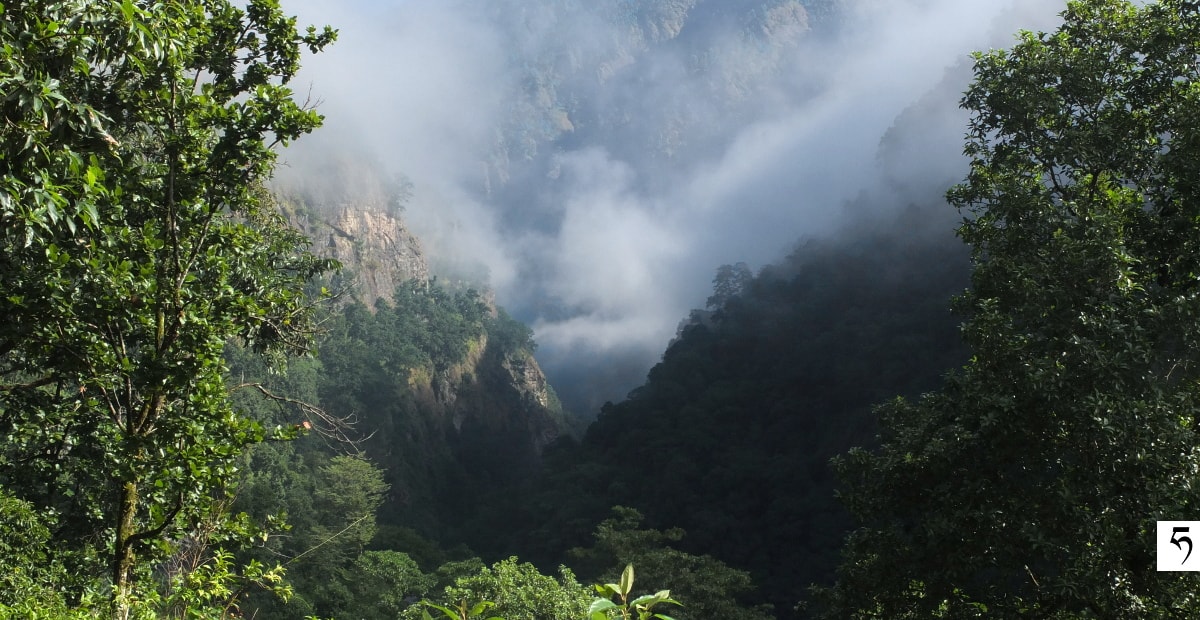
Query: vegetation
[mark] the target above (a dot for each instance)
(135, 244)
(729, 438)
(164, 454)
(517, 590)
(410, 461)
(615, 599)
(1029, 486)
(341, 563)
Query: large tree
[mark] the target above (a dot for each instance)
(135, 241)
(1029, 486)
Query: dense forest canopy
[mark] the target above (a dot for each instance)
(1030, 485)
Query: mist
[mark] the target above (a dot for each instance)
(593, 163)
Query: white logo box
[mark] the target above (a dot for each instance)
(1177, 545)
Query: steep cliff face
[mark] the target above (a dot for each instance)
(695, 64)
(375, 248)
(443, 430)
(500, 407)
(379, 252)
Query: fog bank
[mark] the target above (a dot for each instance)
(594, 162)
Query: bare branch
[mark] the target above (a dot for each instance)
(338, 429)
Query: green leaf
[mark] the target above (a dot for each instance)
(626, 585)
(650, 600)
(600, 605)
(446, 611)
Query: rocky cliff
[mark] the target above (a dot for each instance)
(375, 248)
(482, 420)
(499, 405)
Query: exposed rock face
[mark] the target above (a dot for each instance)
(696, 66)
(375, 247)
(494, 403)
(384, 251)
(499, 404)
(351, 209)
(475, 428)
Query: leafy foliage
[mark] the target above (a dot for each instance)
(31, 577)
(400, 372)
(384, 582)
(615, 601)
(133, 245)
(461, 611)
(434, 377)
(330, 505)
(509, 589)
(1029, 486)
(711, 588)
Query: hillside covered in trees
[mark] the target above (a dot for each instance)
(220, 400)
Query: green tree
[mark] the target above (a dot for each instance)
(730, 281)
(515, 590)
(384, 583)
(708, 587)
(330, 505)
(348, 492)
(133, 245)
(29, 578)
(1029, 486)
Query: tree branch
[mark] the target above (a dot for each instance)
(336, 428)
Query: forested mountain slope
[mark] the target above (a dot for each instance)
(405, 352)
(429, 398)
(730, 436)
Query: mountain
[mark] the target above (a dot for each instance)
(439, 378)
(353, 214)
(731, 435)
(659, 80)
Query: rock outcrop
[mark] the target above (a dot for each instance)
(488, 416)
(375, 248)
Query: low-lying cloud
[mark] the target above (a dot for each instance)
(597, 167)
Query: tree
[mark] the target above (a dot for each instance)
(615, 600)
(730, 281)
(330, 505)
(384, 583)
(1029, 486)
(708, 587)
(23, 536)
(508, 589)
(134, 243)
(348, 492)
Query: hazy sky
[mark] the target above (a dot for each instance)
(603, 236)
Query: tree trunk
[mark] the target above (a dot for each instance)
(123, 549)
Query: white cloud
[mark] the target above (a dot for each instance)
(607, 253)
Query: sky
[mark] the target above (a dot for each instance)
(594, 168)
